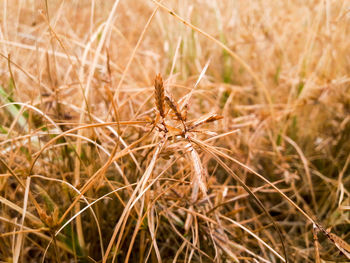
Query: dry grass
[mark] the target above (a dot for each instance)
(238, 151)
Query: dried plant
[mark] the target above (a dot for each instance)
(174, 106)
(199, 173)
(159, 95)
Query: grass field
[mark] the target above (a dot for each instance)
(238, 151)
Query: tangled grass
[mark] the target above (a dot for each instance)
(238, 151)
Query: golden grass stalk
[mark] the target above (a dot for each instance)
(316, 244)
(132, 201)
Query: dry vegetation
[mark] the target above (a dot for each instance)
(237, 152)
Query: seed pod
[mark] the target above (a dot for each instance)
(175, 108)
(159, 95)
(206, 119)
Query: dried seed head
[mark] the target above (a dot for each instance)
(175, 108)
(159, 95)
(214, 117)
(199, 175)
(206, 119)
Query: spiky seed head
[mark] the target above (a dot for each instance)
(159, 95)
(206, 119)
(173, 105)
(214, 117)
